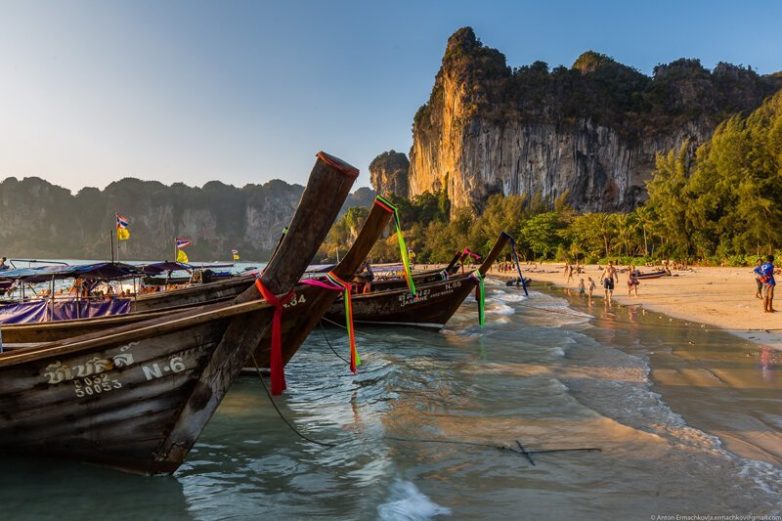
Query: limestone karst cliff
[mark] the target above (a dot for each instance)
(38, 219)
(388, 173)
(591, 131)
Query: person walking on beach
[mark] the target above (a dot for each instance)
(608, 277)
(758, 278)
(581, 287)
(632, 281)
(591, 288)
(767, 277)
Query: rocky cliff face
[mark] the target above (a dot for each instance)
(38, 219)
(388, 173)
(590, 132)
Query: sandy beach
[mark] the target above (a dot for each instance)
(719, 297)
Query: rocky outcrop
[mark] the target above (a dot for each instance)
(42, 220)
(388, 173)
(589, 133)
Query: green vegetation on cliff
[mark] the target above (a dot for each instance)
(596, 87)
(721, 202)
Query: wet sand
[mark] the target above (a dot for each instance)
(719, 297)
(727, 385)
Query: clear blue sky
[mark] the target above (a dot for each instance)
(91, 92)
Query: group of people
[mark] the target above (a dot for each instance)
(608, 279)
(764, 279)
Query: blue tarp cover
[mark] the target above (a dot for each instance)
(38, 311)
(100, 271)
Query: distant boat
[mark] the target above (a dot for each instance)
(196, 295)
(432, 305)
(136, 397)
(653, 275)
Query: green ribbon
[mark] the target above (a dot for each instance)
(481, 298)
(402, 245)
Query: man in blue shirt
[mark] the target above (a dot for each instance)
(767, 277)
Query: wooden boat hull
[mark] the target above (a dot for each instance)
(653, 275)
(432, 305)
(137, 397)
(114, 403)
(197, 294)
(306, 309)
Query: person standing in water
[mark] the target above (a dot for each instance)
(767, 277)
(608, 277)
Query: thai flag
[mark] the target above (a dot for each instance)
(182, 243)
(122, 222)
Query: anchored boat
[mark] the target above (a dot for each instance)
(137, 397)
(431, 306)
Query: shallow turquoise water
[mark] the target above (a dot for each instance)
(551, 373)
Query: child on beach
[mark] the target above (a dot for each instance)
(581, 286)
(758, 278)
(592, 287)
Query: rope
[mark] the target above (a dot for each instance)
(524, 452)
(282, 417)
(323, 331)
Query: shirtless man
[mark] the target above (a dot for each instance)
(608, 277)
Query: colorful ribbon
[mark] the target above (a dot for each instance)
(480, 297)
(276, 364)
(355, 360)
(471, 253)
(383, 202)
(337, 284)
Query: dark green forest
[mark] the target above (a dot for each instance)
(719, 204)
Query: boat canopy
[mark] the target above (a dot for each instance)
(99, 271)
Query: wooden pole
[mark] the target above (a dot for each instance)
(111, 244)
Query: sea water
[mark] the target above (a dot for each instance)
(686, 421)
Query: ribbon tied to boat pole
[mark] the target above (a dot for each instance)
(385, 203)
(347, 300)
(335, 283)
(480, 297)
(276, 364)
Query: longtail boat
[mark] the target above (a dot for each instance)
(19, 335)
(424, 277)
(431, 306)
(136, 397)
(315, 296)
(653, 275)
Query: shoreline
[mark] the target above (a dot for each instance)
(719, 297)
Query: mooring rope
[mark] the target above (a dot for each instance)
(522, 451)
(323, 332)
(279, 412)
